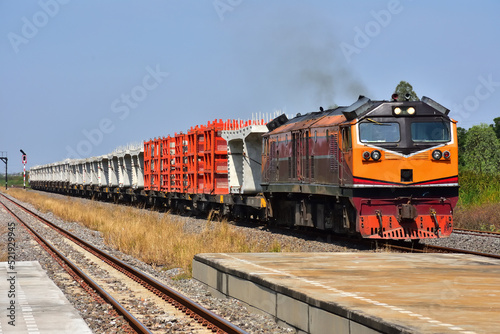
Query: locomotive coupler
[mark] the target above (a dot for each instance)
(407, 212)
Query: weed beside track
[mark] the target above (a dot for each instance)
(484, 217)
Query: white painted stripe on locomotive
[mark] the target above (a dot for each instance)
(402, 185)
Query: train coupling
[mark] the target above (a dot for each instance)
(407, 212)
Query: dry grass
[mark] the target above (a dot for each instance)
(154, 238)
(484, 217)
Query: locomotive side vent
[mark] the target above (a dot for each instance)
(289, 167)
(406, 175)
(334, 158)
(312, 168)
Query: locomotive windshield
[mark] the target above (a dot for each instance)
(375, 132)
(428, 132)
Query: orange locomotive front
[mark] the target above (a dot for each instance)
(379, 169)
(405, 171)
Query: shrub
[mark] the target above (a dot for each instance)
(478, 188)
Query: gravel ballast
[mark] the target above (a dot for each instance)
(232, 310)
(99, 319)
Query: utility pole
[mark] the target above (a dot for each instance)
(24, 169)
(4, 158)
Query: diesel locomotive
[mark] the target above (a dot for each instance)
(375, 169)
(381, 169)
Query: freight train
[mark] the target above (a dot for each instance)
(375, 169)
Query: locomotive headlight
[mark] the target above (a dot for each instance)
(403, 111)
(436, 154)
(376, 155)
(366, 155)
(446, 154)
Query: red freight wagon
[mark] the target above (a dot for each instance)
(192, 163)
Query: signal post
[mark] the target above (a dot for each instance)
(24, 169)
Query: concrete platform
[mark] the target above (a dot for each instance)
(362, 292)
(31, 303)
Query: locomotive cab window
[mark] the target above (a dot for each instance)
(428, 132)
(375, 132)
(346, 138)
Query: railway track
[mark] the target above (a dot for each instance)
(477, 232)
(87, 283)
(423, 248)
(398, 245)
(415, 247)
(208, 320)
(405, 246)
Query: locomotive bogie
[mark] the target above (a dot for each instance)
(319, 212)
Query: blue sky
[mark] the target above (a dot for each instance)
(80, 78)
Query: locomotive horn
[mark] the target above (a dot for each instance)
(407, 96)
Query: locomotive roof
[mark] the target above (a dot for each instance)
(357, 111)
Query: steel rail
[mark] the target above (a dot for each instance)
(423, 248)
(133, 322)
(462, 251)
(191, 308)
(477, 232)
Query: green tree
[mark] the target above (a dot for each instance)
(496, 126)
(402, 89)
(482, 150)
(462, 133)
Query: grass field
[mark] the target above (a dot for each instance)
(13, 180)
(155, 238)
